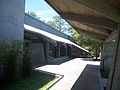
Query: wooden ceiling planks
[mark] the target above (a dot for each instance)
(114, 3)
(76, 7)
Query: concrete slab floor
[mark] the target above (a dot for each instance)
(78, 74)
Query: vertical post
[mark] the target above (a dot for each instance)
(46, 50)
(114, 77)
(107, 56)
(66, 49)
(58, 49)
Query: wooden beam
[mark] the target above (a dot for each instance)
(102, 7)
(87, 32)
(106, 23)
(92, 37)
(100, 29)
(111, 37)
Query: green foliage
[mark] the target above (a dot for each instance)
(57, 23)
(13, 61)
(61, 25)
(27, 63)
(4, 50)
(11, 56)
(33, 14)
(93, 46)
(36, 81)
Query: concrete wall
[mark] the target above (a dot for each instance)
(37, 51)
(107, 55)
(29, 20)
(114, 76)
(12, 20)
(77, 53)
(58, 60)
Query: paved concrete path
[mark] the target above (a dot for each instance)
(78, 74)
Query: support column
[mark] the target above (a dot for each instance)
(66, 49)
(107, 56)
(12, 20)
(114, 77)
(58, 49)
(46, 50)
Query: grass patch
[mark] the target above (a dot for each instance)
(36, 81)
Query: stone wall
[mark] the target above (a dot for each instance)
(107, 55)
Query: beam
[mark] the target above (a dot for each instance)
(92, 37)
(90, 20)
(102, 7)
(87, 32)
(100, 29)
(111, 37)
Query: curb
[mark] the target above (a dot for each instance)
(59, 77)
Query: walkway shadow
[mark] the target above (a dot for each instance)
(69, 59)
(60, 62)
(89, 79)
(87, 59)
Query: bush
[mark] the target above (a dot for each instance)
(4, 48)
(27, 63)
(11, 57)
(15, 60)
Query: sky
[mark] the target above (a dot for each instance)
(41, 8)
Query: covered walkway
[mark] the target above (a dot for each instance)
(78, 74)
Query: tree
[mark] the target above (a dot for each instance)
(57, 23)
(92, 45)
(33, 14)
(60, 24)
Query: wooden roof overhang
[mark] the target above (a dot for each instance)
(94, 18)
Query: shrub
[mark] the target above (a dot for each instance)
(4, 49)
(11, 57)
(27, 60)
(13, 61)
(27, 63)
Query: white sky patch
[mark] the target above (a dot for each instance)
(44, 12)
(46, 19)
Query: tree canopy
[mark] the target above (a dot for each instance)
(92, 45)
(33, 14)
(60, 24)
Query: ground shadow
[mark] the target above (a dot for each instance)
(87, 59)
(67, 60)
(60, 62)
(89, 79)
(33, 82)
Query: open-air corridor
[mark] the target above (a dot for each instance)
(78, 74)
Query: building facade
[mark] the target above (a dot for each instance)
(49, 46)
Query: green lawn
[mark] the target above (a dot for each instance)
(36, 81)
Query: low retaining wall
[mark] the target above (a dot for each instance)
(57, 60)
